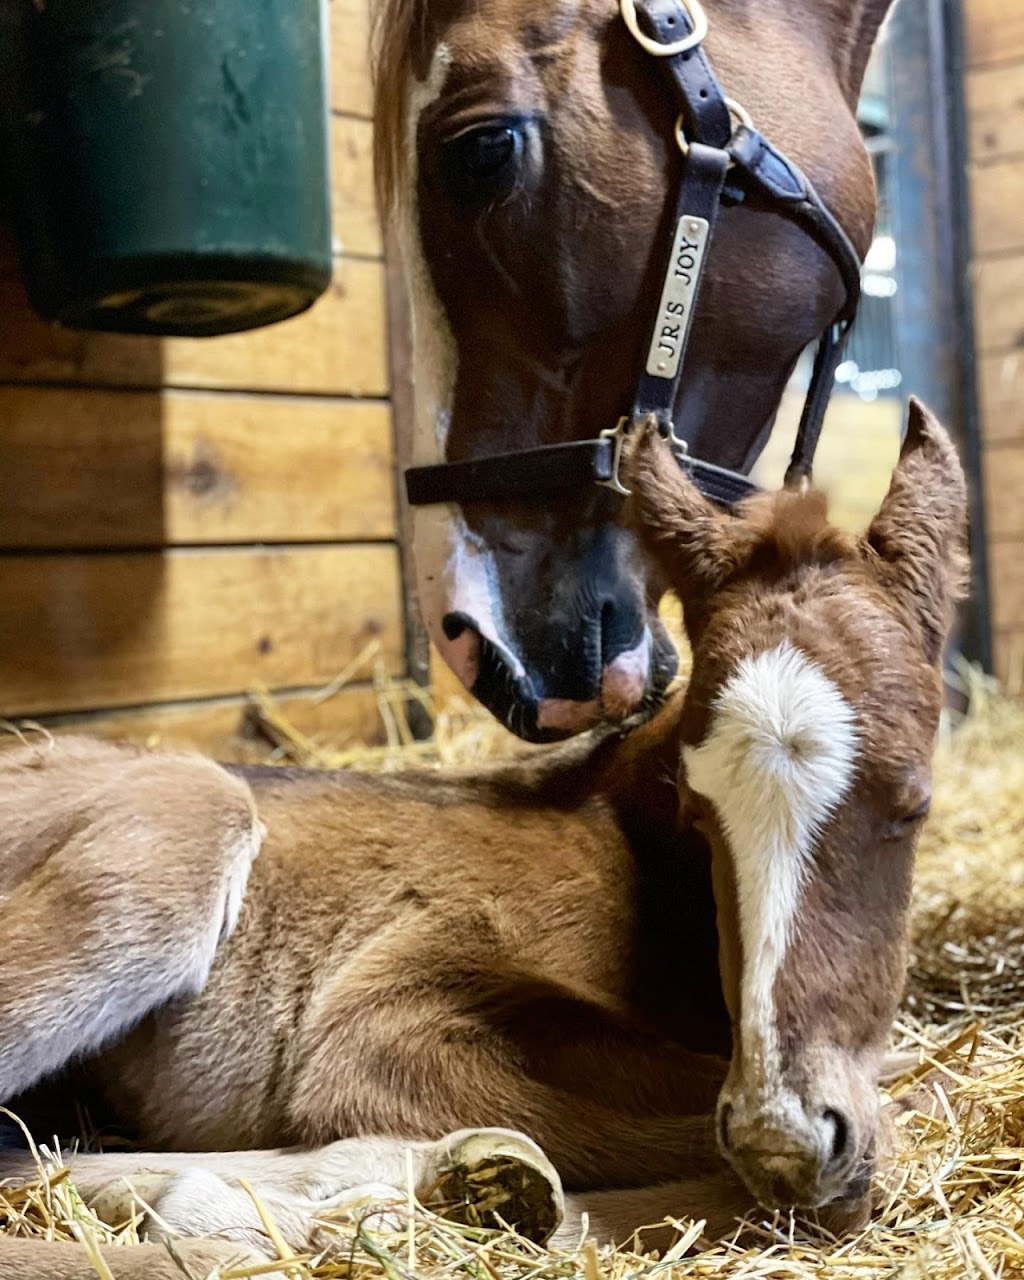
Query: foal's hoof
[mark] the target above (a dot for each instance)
(496, 1177)
(123, 1198)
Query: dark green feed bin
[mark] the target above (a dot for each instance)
(165, 161)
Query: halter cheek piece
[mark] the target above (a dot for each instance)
(725, 161)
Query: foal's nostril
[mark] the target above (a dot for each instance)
(840, 1129)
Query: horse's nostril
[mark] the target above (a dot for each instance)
(724, 1116)
(840, 1128)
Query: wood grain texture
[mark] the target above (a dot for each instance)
(1001, 397)
(995, 112)
(224, 729)
(79, 632)
(90, 468)
(994, 31)
(354, 221)
(1008, 660)
(338, 347)
(997, 199)
(350, 62)
(1006, 580)
(1003, 481)
(999, 303)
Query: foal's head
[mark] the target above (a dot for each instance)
(528, 152)
(808, 729)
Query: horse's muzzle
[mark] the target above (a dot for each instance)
(578, 683)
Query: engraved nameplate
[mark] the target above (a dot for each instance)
(677, 297)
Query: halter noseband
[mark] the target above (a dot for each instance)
(722, 164)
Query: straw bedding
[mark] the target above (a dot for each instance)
(953, 1200)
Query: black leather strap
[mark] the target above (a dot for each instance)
(766, 173)
(717, 483)
(787, 191)
(518, 477)
(826, 360)
(549, 469)
(699, 196)
(705, 113)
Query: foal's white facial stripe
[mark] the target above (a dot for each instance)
(777, 760)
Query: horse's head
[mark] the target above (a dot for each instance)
(808, 730)
(528, 155)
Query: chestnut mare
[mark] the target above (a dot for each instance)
(533, 946)
(528, 155)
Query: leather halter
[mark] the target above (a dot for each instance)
(721, 165)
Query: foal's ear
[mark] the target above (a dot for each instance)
(695, 544)
(918, 537)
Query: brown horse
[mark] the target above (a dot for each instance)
(533, 947)
(527, 154)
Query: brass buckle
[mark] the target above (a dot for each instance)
(680, 450)
(618, 433)
(698, 20)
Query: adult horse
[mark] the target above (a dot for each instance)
(531, 155)
(533, 946)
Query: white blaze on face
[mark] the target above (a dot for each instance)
(454, 570)
(778, 758)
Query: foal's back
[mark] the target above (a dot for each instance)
(373, 890)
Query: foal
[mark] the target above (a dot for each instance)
(533, 947)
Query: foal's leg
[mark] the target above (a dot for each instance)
(413, 1038)
(120, 872)
(204, 1194)
(637, 1217)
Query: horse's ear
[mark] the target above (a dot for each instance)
(917, 539)
(693, 542)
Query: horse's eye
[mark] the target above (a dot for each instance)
(481, 164)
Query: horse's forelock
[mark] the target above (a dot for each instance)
(398, 38)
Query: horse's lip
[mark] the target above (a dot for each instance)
(626, 679)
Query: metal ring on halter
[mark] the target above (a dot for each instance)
(736, 109)
(698, 20)
(739, 112)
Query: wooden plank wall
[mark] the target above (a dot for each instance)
(994, 34)
(182, 520)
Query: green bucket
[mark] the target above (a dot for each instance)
(165, 161)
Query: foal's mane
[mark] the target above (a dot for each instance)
(791, 530)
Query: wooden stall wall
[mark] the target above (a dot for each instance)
(994, 32)
(183, 520)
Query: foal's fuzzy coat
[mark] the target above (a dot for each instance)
(533, 947)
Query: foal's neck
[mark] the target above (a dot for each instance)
(677, 983)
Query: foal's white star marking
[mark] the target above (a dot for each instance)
(778, 758)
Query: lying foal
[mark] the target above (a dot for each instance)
(568, 948)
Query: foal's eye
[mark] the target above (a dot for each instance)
(482, 163)
(905, 823)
